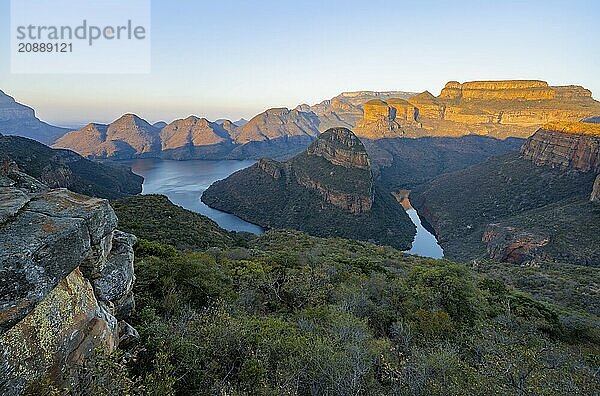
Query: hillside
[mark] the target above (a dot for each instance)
(327, 190)
(20, 120)
(405, 164)
(64, 168)
(511, 209)
(156, 218)
(298, 314)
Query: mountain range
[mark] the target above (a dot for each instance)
(499, 109)
(18, 119)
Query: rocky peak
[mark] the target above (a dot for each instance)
(340, 147)
(452, 90)
(404, 111)
(66, 280)
(125, 137)
(386, 119)
(566, 145)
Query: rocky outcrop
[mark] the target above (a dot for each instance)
(18, 119)
(566, 146)
(66, 279)
(378, 122)
(326, 190)
(393, 118)
(595, 196)
(346, 109)
(272, 168)
(340, 148)
(507, 244)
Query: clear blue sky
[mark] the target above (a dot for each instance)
(236, 58)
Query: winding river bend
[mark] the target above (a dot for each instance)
(185, 181)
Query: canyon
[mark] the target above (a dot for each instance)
(327, 190)
(544, 210)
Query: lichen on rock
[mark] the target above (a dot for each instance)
(66, 279)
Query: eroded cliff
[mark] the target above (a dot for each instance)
(565, 145)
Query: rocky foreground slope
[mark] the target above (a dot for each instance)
(66, 278)
(539, 205)
(327, 190)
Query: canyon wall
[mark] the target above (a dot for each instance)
(565, 145)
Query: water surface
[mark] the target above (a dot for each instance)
(185, 181)
(425, 243)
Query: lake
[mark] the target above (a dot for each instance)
(185, 181)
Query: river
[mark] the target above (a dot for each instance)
(185, 181)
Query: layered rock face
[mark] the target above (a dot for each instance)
(327, 190)
(67, 278)
(346, 109)
(20, 120)
(378, 122)
(500, 108)
(595, 197)
(566, 146)
(339, 147)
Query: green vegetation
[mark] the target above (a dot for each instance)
(513, 192)
(64, 168)
(294, 314)
(154, 217)
(257, 197)
(572, 286)
(412, 162)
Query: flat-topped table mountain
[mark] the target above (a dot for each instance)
(328, 190)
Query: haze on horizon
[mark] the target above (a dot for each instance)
(233, 59)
